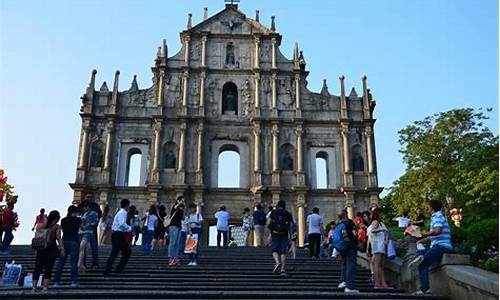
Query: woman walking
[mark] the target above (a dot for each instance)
(193, 221)
(160, 230)
(89, 220)
(377, 241)
(70, 227)
(46, 257)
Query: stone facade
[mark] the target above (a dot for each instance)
(229, 88)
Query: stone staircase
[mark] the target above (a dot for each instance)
(233, 273)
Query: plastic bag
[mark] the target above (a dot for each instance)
(11, 273)
(28, 281)
(191, 244)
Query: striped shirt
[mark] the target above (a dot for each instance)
(444, 238)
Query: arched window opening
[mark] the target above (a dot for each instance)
(229, 168)
(97, 154)
(170, 155)
(357, 159)
(134, 168)
(287, 153)
(229, 99)
(321, 170)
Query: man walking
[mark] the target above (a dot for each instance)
(118, 241)
(315, 230)
(222, 217)
(440, 236)
(259, 221)
(345, 241)
(8, 221)
(280, 222)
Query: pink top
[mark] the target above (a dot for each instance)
(40, 219)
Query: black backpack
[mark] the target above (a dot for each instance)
(280, 222)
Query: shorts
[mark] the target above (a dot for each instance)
(160, 233)
(279, 244)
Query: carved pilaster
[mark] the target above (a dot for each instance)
(186, 50)
(203, 50)
(155, 172)
(301, 226)
(343, 102)
(349, 204)
(274, 95)
(110, 128)
(346, 155)
(182, 142)
(199, 155)
(273, 53)
(185, 78)
(257, 52)
(275, 161)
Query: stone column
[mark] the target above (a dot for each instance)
(257, 52)
(199, 154)
(202, 89)
(185, 88)
(297, 92)
(256, 133)
(186, 50)
(366, 101)
(160, 88)
(257, 85)
(343, 103)
(180, 166)
(109, 144)
(155, 178)
(301, 226)
(275, 133)
(349, 204)
(299, 131)
(346, 155)
(273, 53)
(84, 141)
(369, 148)
(203, 50)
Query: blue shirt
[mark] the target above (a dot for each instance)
(222, 217)
(259, 218)
(444, 238)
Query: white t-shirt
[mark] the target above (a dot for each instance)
(194, 220)
(151, 221)
(222, 220)
(403, 222)
(315, 221)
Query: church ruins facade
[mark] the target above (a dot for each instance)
(229, 88)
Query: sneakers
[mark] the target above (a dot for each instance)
(420, 292)
(75, 285)
(171, 262)
(177, 262)
(415, 262)
(192, 263)
(283, 274)
(342, 285)
(277, 268)
(348, 290)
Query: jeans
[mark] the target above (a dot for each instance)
(182, 243)
(194, 256)
(7, 239)
(224, 238)
(174, 238)
(118, 244)
(348, 267)
(314, 244)
(72, 249)
(433, 255)
(147, 238)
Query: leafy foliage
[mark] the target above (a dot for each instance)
(449, 153)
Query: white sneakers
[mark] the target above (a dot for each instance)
(415, 262)
(343, 285)
(192, 263)
(419, 292)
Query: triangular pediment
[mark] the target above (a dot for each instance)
(230, 21)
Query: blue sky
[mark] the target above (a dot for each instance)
(420, 57)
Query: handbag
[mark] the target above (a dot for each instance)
(169, 220)
(41, 239)
(191, 244)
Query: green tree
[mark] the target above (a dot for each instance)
(450, 153)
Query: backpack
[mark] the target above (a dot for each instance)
(341, 240)
(41, 239)
(279, 222)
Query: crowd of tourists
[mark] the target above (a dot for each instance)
(179, 230)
